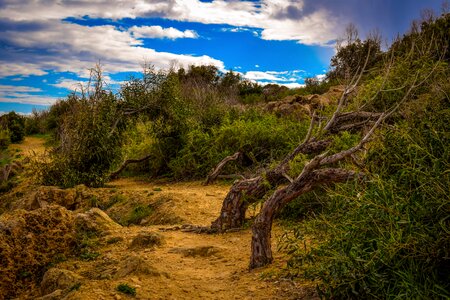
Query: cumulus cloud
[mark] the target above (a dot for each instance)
(24, 94)
(289, 79)
(62, 46)
(160, 32)
(278, 19)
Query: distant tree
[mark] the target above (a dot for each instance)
(15, 124)
(352, 54)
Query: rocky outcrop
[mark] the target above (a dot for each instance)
(59, 279)
(30, 240)
(146, 240)
(95, 221)
(301, 106)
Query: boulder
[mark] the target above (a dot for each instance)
(59, 279)
(146, 240)
(95, 220)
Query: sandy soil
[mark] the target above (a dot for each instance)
(219, 271)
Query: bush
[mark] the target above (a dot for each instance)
(15, 124)
(5, 139)
(388, 238)
(261, 138)
(126, 289)
(89, 143)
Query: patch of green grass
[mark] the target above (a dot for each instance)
(157, 189)
(137, 214)
(114, 199)
(126, 289)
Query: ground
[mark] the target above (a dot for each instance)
(185, 265)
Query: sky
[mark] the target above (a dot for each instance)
(48, 46)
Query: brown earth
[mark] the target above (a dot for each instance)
(166, 264)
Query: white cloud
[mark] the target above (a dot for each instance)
(23, 94)
(293, 85)
(18, 89)
(25, 69)
(278, 76)
(258, 75)
(77, 48)
(278, 19)
(160, 32)
(321, 77)
(289, 79)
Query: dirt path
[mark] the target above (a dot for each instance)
(186, 265)
(29, 145)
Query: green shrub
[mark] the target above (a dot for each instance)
(126, 289)
(388, 238)
(260, 137)
(136, 215)
(15, 124)
(5, 139)
(89, 143)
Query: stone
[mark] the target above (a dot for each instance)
(95, 220)
(58, 279)
(146, 240)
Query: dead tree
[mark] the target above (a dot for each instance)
(212, 176)
(319, 171)
(245, 192)
(119, 170)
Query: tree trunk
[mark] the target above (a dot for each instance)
(116, 173)
(248, 191)
(261, 248)
(216, 171)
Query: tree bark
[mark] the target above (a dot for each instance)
(116, 173)
(216, 171)
(261, 249)
(248, 191)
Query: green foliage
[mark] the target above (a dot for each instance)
(36, 122)
(5, 139)
(89, 143)
(15, 125)
(126, 289)
(136, 215)
(388, 238)
(260, 137)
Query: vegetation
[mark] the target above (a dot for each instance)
(377, 229)
(126, 289)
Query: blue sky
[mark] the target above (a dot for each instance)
(48, 46)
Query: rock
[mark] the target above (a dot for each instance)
(95, 220)
(58, 279)
(146, 240)
(202, 251)
(66, 198)
(136, 265)
(29, 240)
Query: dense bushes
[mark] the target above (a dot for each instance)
(260, 138)
(89, 143)
(13, 124)
(387, 238)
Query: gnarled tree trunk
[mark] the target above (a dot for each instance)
(248, 191)
(261, 239)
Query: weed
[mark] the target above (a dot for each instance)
(126, 289)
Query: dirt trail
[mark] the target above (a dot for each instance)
(218, 271)
(29, 145)
(187, 265)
